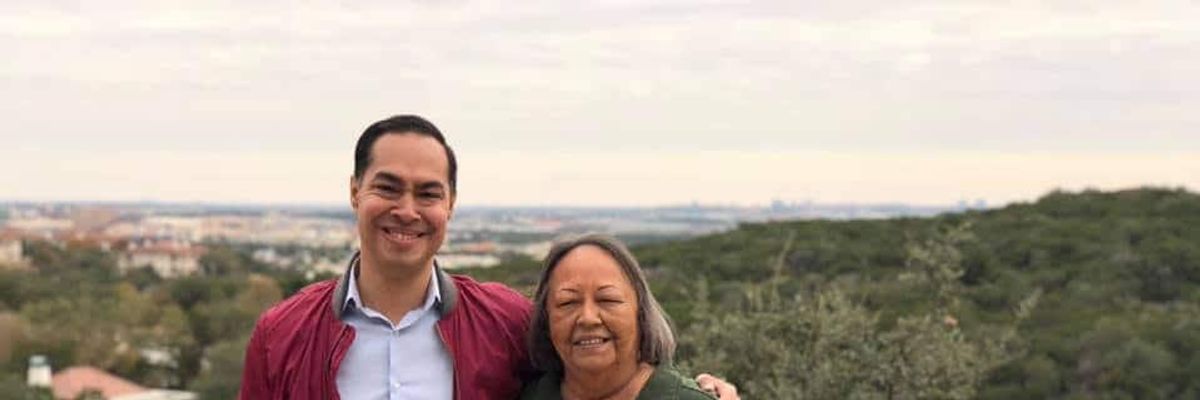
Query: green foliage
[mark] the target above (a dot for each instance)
(222, 310)
(1076, 295)
(12, 387)
(90, 394)
(828, 347)
(143, 277)
(1128, 257)
(81, 312)
(103, 332)
(224, 260)
(787, 350)
(72, 261)
(519, 272)
(1131, 258)
(222, 378)
(12, 335)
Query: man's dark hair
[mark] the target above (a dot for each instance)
(401, 124)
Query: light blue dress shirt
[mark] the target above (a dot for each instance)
(407, 360)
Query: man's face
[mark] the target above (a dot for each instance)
(402, 203)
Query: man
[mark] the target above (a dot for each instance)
(395, 325)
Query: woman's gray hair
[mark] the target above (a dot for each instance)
(655, 336)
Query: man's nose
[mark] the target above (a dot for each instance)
(405, 209)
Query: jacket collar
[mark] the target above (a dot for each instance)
(449, 293)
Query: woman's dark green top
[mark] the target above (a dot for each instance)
(665, 383)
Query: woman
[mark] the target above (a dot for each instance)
(598, 332)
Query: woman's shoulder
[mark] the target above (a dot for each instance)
(668, 383)
(544, 387)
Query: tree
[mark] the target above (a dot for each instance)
(12, 334)
(826, 346)
(222, 375)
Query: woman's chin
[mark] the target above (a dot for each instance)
(592, 365)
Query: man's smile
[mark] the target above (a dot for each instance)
(402, 236)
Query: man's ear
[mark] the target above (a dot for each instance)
(353, 192)
(450, 212)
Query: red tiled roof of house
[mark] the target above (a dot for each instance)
(10, 234)
(189, 253)
(68, 383)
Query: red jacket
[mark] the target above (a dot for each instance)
(298, 344)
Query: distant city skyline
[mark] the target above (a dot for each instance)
(614, 103)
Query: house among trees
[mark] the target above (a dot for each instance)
(84, 382)
(168, 259)
(12, 253)
(74, 381)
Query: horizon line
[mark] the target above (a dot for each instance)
(695, 203)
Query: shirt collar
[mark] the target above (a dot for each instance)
(432, 296)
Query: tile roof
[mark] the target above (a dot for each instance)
(68, 383)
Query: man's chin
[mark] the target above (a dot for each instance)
(405, 261)
(392, 260)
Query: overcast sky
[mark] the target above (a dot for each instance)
(611, 103)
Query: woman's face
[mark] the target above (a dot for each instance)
(592, 310)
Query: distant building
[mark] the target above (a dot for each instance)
(39, 372)
(169, 260)
(73, 381)
(535, 250)
(461, 260)
(330, 265)
(12, 253)
(268, 255)
(483, 247)
(92, 219)
(41, 225)
(79, 238)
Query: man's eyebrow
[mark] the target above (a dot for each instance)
(568, 290)
(387, 176)
(431, 185)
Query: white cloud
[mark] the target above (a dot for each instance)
(197, 176)
(732, 177)
(596, 177)
(852, 77)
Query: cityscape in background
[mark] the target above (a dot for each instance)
(171, 238)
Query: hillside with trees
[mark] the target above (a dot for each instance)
(1075, 295)
(186, 333)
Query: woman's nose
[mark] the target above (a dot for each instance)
(589, 314)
